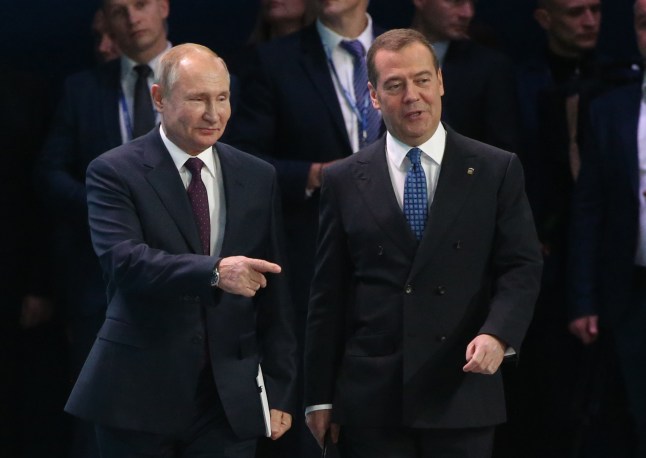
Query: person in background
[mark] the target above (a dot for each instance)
(104, 46)
(607, 258)
(480, 97)
(100, 109)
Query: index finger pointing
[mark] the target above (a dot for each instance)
(260, 265)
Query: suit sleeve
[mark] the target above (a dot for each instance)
(276, 321)
(331, 287)
(118, 239)
(59, 173)
(516, 261)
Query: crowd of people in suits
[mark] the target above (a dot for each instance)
(573, 118)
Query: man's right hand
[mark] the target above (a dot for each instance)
(319, 421)
(585, 328)
(244, 276)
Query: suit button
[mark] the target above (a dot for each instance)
(198, 339)
(409, 289)
(440, 290)
(441, 338)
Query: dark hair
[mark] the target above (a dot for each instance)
(395, 40)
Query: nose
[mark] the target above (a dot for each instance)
(590, 17)
(410, 93)
(134, 15)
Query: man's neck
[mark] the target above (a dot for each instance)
(149, 54)
(349, 25)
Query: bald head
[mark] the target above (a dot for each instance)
(172, 59)
(572, 26)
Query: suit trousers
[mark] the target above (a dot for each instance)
(416, 443)
(209, 435)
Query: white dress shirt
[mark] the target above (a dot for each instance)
(211, 175)
(640, 256)
(341, 61)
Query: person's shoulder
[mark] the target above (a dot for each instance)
(95, 74)
(467, 145)
(474, 51)
(617, 98)
(238, 157)
(289, 44)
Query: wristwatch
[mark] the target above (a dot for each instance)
(215, 277)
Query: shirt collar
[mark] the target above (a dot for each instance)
(440, 48)
(432, 148)
(127, 64)
(180, 157)
(331, 39)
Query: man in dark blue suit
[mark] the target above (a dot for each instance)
(608, 243)
(185, 252)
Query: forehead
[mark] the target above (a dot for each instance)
(202, 73)
(565, 5)
(412, 58)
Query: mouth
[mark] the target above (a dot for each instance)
(413, 115)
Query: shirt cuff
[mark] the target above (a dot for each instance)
(316, 407)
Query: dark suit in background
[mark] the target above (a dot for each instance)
(480, 98)
(605, 281)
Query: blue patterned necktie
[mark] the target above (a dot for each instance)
(369, 119)
(200, 202)
(415, 195)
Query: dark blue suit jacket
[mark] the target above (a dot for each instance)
(605, 212)
(143, 370)
(86, 125)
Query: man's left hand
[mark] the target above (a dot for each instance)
(484, 355)
(280, 423)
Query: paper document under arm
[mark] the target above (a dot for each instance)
(260, 381)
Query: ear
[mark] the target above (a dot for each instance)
(543, 18)
(373, 97)
(440, 81)
(165, 8)
(157, 94)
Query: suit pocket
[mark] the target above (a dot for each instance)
(248, 345)
(375, 345)
(122, 333)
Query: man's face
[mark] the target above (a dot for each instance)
(640, 26)
(572, 26)
(408, 93)
(105, 47)
(340, 8)
(275, 11)
(445, 19)
(195, 110)
(137, 25)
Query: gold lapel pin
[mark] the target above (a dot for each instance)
(470, 171)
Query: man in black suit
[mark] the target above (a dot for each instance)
(407, 325)
(185, 252)
(608, 244)
(480, 97)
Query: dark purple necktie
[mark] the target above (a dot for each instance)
(369, 119)
(143, 114)
(200, 202)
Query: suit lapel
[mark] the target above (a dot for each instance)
(627, 127)
(111, 80)
(453, 187)
(233, 179)
(165, 180)
(372, 178)
(314, 62)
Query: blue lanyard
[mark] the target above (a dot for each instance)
(126, 114)
(361, 112)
